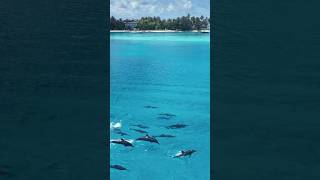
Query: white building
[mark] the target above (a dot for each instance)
(130, 24)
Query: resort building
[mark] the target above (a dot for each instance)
(130, 24)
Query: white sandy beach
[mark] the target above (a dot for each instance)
(157, 31)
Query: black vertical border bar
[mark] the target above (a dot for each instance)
(54, 90)
(265, 90)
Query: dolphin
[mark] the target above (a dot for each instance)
(150, 107)
(167, 114)
(184, 153)
(148, 138)
(140, 126)
(119, 167)
(176, 126)
(139, 130)
(121, 133)
(164, 117)
(165, 136)
(122, 141)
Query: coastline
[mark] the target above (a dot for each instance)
(157, 31)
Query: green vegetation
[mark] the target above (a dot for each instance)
(184, 23)
(117, 24)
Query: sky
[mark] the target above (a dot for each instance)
(164, 8)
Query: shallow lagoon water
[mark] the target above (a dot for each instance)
(171, 72)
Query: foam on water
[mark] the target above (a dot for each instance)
(115, 125)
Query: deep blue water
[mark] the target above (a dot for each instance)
(170, 71)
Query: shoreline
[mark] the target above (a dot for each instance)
(157, 31)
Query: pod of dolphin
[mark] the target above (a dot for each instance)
(150, 139)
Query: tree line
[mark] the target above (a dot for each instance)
(184, 23)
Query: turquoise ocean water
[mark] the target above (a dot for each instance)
(154, 73)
